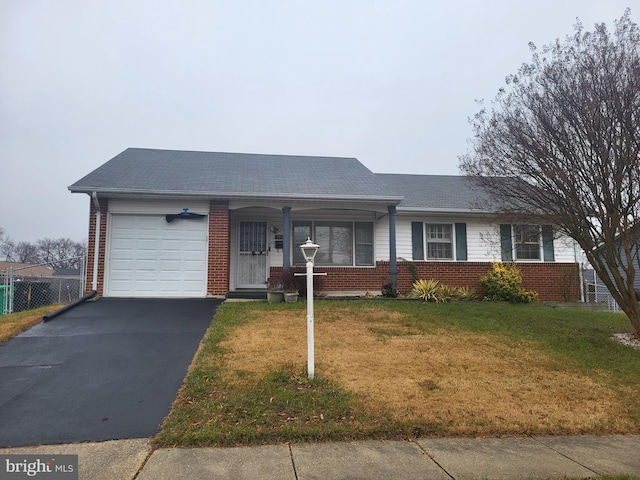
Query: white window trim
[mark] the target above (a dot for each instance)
(425, 242)
(514, 252)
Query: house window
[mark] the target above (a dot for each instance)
(301, 231)
(439, 241)
(341, 243)
(336, 243)
(527, 242)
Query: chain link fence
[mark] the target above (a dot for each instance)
(26, 286)
(597, 293)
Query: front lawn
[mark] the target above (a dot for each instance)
(400, 369)
(14, 323)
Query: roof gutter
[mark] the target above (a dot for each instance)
(402, 209)
(96, 250)
(384, 199)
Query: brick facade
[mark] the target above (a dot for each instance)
(219, 259)
(91, 245)
(554, 282)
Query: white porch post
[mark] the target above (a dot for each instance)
(393, 265)
(286, 238)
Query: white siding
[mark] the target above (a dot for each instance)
(566, 249)
(382, 238)
(483, 242)
(483, 239)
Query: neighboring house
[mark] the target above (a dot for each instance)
(634, 247)
(25, 269)
(247, 215)
(31, 286)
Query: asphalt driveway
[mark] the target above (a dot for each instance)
(104, 370)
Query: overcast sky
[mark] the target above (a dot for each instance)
(391, 83)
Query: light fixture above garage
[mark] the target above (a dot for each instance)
(185, 215)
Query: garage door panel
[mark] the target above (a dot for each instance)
(125, 244)
(117, 287)
(191, 287)
(144, 222)
(152, 258)
(121, 264)
(146, 265)
(170, 266)
(142, 286)
(167, 286)
(147, 244)
(191, 266)
(195, 245)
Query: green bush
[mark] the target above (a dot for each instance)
(503, 284)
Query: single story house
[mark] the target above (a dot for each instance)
(194, 224)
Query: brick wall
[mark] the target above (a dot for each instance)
(91, 247)
(557, 282)
(218, 273)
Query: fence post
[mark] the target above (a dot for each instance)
(10, 297)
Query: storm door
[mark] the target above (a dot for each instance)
(253, 252)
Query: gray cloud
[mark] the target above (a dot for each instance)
(389, 82)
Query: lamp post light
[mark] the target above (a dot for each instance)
(309, 250)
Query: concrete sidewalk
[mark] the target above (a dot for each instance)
(431, 458)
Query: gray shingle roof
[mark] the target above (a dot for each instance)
(436, 193)
(146, 171)
(139, 171)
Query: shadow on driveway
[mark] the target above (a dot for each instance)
(104, 370)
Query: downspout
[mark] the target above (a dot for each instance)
(393, 265)
(66, 308)
(96, 242)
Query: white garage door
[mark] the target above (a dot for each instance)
(149, 257)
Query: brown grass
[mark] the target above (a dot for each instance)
(14, 323)
(470, 383)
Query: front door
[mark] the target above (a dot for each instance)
(253, 252)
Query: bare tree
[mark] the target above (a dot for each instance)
(6, 245)
(25, 252)
(562, 140)
(60, 252)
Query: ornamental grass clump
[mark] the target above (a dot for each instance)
(503, 283)
(426, 290)
(433, 291)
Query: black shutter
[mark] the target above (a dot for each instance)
(461, 241)
(506, 245)
(547, 243)
(417, 240)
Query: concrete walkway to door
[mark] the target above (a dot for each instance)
(104, 370)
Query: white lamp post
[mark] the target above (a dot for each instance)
(309, 250)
